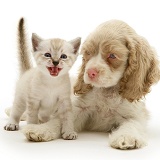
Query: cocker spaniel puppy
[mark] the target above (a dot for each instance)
(118, 68)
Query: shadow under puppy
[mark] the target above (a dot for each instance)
(118, 69)
(44, 91)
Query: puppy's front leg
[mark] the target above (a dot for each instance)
(43, 132)
(130, 135)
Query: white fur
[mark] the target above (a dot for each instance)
(102, 110)
(101, 106)
(43, 96)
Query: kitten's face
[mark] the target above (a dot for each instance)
(55, 56)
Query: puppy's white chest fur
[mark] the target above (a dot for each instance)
(101, 106)
(103, 98)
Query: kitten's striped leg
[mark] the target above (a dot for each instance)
(33, 105)
(15, 115)
(68, 132)
(8, 112)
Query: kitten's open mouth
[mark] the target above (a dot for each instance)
(54, 71)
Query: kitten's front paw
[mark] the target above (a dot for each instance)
(126, 142)
(11, 127)
(38, 133)
(69, 135)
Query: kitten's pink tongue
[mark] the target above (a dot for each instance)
(54, 71)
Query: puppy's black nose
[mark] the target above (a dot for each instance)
(55, 63)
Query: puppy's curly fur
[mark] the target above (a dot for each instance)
(117, 71)
(141, 69)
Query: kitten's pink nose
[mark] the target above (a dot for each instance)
(92, 73)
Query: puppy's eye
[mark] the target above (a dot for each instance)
(112, 56)
(47, 55)
(63, 56)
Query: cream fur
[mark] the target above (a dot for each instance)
(125, 67)
(43, 94)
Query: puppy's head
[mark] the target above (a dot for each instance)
(115, 55)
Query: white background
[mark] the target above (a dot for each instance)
(69, 19)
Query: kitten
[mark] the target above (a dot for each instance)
(44, 91)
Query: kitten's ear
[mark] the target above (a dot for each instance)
(35, 41)
(76, 44)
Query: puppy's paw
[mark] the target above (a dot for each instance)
(11, 127)
(126, 142)
(69, 135)
(38, 133)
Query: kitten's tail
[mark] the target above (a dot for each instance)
(23, 48)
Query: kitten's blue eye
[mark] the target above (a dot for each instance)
(47, 55)
(63, 56)
(112, 56)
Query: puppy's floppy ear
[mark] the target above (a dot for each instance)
(81, 87)
(142, 70)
